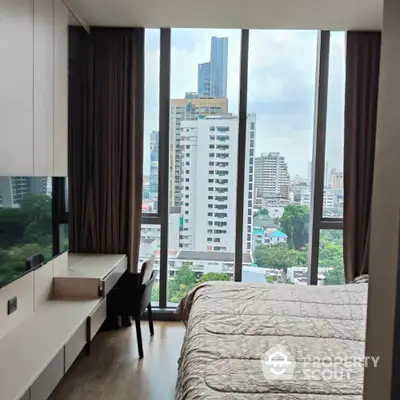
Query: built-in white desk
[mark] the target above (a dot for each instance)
(89, 275)
(35, 355)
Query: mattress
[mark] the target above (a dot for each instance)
(240, 337)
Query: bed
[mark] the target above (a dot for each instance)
(232, 327)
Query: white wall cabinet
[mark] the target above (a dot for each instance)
(16, 87)
(33, 88)
(61, 15)
(43, 85)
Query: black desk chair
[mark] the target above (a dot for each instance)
(132, 296)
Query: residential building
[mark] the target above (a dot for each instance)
(336, 179)
(219, 66)
(271, 175)
(14, 188)
(329, 199)
(154, 160)
(190, 108)
(152, 233)
(209, 175)
(204, 79)
(270, 236)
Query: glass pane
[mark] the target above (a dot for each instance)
(151, 113)
(333, 190)
(205, 67)
(330, 263)
(150, 247)
(64, 243)
(25, 223)
(282, 69)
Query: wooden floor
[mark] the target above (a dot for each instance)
(113, 370)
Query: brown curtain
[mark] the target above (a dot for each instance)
(106, 151)
(362, 81)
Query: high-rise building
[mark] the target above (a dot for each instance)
(204, 79)
(13, 189)
(209, 162)
(154, 160)
(190, 108)
(271, 175)
(219, 66)
(336, 179)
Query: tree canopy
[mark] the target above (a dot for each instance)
(24, 231)
(294, 223)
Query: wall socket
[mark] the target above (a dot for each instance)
(12, 305)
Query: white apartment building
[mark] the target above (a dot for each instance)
(209, 176)
(271, 175)
(329, 199)
(152, 233)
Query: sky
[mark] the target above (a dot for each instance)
(281, 87)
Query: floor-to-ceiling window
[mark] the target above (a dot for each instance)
(192, 131)
(280, 99)
(203, 135)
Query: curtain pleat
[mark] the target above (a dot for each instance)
(106, 152)
(361, 100)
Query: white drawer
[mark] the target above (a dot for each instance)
(49, 378)
(75, 345)
(97, 318)
(112, 278)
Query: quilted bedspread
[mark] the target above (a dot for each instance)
(240, 337)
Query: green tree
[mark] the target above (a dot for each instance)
(24, 231)
(335, 276)
(214, 276)
(279, 256)
(183, 282)
(294, 223)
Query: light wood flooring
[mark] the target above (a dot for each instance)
(113, 371)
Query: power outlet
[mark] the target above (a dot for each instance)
(12, 305)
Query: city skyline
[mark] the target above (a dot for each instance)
(281, 87)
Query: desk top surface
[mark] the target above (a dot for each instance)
(92, 265)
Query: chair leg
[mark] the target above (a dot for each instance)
(150, 316)
(139, 336)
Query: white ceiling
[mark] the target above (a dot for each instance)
(266, 14)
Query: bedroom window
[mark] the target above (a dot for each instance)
(280, 155)
(333, 177)
(204, 77)
(274, 187)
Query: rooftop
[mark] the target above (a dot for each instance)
(211, 256)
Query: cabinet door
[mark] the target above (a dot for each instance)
(43, 36)
(16, 87)
(60, 89)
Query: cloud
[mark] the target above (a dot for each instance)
(281, 86)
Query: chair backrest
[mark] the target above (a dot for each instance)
(145, 272)
(34, 261)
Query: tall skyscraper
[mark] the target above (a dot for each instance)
(209, 162)
(219, 66)
(271, 175)
(190, 108)
(204, 79)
